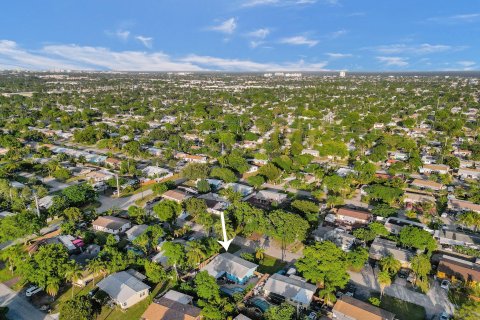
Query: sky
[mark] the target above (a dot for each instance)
(240, 35)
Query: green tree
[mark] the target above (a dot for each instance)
(73, 273)
(421, 266)
(195, 253)
(224, 174)
(207, 287)
(256, 181)
(194, 171)
(308, 208)
(414, 237)
(284, 311)
(203, 186)
(78, 308)
(357, 258)
(167, 210)
(324, 264)
(154, 272)
(175, 254)
(384, 280)
(270, 171)
(390, 264)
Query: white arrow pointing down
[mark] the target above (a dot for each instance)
(225, 243)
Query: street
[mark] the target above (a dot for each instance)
(120, 203)
(19, 307)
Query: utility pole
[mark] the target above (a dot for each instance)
(36, 203)
(118, 187)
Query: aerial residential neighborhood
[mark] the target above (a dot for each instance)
(240, 160)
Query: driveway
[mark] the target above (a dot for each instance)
(435, 301)
(19, 308)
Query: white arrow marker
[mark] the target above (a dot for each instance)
(225, 243)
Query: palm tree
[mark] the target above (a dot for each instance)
(390, 264)
(95, 266)
(53, 285)
(384, 281)
(73, 273)
(327, 295)
(195, 252)
(260, 253)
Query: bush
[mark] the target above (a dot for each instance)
(374, 301)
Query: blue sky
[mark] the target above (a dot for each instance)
(240, 35)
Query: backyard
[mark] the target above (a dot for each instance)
(403, 310)
(270, 265)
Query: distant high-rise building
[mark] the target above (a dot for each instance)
(342, 74)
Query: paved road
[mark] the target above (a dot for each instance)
(120, 203)
(435, 301)
(19, 308)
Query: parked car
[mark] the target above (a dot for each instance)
(445, 284)
(32, 290)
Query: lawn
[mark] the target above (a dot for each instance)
(402, 309)
(270, 265)
(134, 312)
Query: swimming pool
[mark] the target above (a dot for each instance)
(231, 291)
(260, 303)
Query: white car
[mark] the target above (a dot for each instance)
(32, 290)
(445, 284)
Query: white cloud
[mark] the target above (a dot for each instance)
(254, 3)
(335, 55)
(120, 34)
(259, 33)
(420, 49)
(146, 41)
(248, 65)
(466, 63)
(299, 41)
(338, 33)
(228, 26)
(76, 57)
(393, 61)
(12, 56)
(457, 18)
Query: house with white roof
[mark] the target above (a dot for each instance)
(294, 290)
(135, 231)
(154, 172)
(234, 268)
(469, 173)
(125, 288)
(240, 188)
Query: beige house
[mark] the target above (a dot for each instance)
(109, 224)
(125, 288)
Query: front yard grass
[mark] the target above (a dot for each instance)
(403, 310)
(270, 265)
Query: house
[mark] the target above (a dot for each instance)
(414, 197)
(463, 205)
(454, 238)
(399, 156)
(427, 184)
(154, 172)
(178, 297)
(381, 248)
(468, 173)
(234, 268)
(241, 317)
(462, 153)
(395, 225)
(167, 309)
(109, 224)
(113, 163)
(338, 236)
(154, 151)
(240, 188)
(434, 168)
(311, 152)
(293, 289)
(135, 231)
(353, 216)
(458, 269)
(176, 195)
(215, 183)
(125, 288)
(191, 158)
(349, 308)
(99, 176)
(271, 196)
(45, 203)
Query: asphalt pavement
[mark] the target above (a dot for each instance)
(19, 307)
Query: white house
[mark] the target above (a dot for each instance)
(311, 152)
(468, 173)
(112, 225)
(294, 290)
(271, 196)
(154, 172)
(434, 168)
(240, 188)
(125, 288)
(234, 268)
(135, 231)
